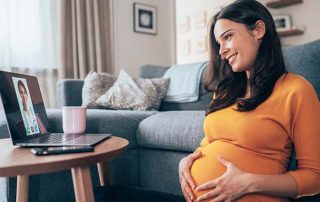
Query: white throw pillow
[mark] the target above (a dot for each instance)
(134, 94)
(95, 85)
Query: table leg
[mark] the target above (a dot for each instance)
(82, 184)
(22, 188)
(104, 173)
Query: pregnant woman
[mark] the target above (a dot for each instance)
(259, 113)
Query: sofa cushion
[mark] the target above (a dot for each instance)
(152, 71)
(155, 71)
(159, 170)
(69, 92)
(121, 123)
(172, 130)
(95, 85)
(134, 94)
(4, 133)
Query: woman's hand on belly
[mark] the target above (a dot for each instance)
(233, 184)
(186, 181)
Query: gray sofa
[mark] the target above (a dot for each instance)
(158, 140)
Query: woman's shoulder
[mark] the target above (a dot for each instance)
(295, 84)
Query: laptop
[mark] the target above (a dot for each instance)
(21, 102)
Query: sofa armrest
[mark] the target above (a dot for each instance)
(69, 92)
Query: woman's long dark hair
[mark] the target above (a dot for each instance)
(20, 84)
(230, 87)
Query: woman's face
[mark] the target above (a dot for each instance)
(238, 45)
(23, 94)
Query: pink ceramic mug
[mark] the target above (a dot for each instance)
(74, 119)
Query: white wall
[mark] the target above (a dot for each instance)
(304, 16)
(191, 37)
(131, 49)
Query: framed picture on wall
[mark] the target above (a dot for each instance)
(200, 20)
(200, 44)
(184, 24)
(145, 18)
(282, 22)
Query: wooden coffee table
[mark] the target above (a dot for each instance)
(20, 162)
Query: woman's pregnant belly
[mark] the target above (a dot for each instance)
(208, 167)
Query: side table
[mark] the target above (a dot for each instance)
(20, 162)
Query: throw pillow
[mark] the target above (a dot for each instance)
(95, 85)
(155, 89)
(134, 94)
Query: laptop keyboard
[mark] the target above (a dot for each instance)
(54, 138)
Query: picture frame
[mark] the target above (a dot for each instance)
(184, 24)
(200, 20)
(200, 44)
(145, 18)
(282, 22)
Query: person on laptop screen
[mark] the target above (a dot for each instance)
(26, 107)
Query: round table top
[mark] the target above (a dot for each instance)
(20, 161)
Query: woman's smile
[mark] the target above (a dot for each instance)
(232, 58)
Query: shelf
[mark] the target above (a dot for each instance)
(291, 32)
(282, 3)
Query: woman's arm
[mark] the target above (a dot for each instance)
(277, 185)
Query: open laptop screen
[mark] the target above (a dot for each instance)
(23, 106)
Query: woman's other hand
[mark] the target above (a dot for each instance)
(233, 184)
(186, 181)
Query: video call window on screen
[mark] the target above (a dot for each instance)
(26, 106)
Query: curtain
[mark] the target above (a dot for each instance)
(84, 38)
(28, 42)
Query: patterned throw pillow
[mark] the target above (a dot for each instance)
(134, 94)
(95, 85)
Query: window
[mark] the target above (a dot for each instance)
(28, 33)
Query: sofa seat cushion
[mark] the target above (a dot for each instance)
(121, 123)
(159, 170)
(172, 130)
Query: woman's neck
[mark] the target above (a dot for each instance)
(26, 108)
(248, 93)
